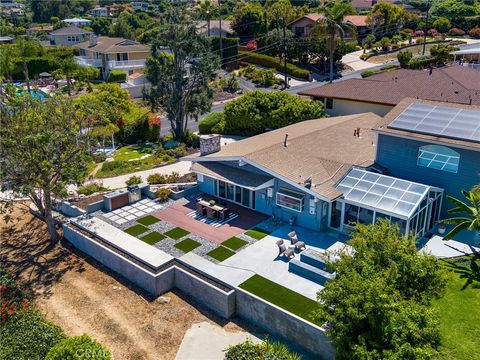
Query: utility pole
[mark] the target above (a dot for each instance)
(426, 28)
(208, 23)
(285, 52)
(220, 26)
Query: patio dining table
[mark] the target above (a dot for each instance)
(216, 208)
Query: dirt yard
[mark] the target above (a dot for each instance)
(81, 296)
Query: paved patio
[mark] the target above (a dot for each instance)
(262, 258)
(178, 215)
(133, 211)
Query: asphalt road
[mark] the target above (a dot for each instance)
(248, 86)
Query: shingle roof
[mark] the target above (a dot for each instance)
(457, 84)
(322, 149)
(311, 16)
(357, 20)
(106, 45)
(382, 125)
(70, 30)
(367, 4)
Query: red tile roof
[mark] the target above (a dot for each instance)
(455, 84)
(357, 20)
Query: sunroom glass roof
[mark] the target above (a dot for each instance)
(382, 192)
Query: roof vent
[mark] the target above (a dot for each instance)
(356, 132)
(285, 143)
(456, 91)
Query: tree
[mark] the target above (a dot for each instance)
(470, 209)
(7, 63)
(180, 79)
(453, 10)
(86, 74)
(332, 26)
(378, 306)
(25, 50)
(442, 24)
(207, 11)
(386, 19)
(42, 152)
(441, 53)
(68, 67)
(404, 58)
(248, 20)
(101, 25)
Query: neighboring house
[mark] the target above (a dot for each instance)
(108, 54)
(330, 173)
(380, 93)
(78, 22)
(39, 28)
(363, 5)
(6, 40)
(100, 12)
(139, 5)
(69, 36)
(302, 26)
(202, 27)
(360, 24)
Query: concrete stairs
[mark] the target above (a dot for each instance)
(310, 266)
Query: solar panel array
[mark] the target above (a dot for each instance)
(382, 192)
(442, 121)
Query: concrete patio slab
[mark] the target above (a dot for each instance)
(447, 249)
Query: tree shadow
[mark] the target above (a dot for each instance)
(467, 268)
(29, 255)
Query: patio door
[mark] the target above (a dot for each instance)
(234, 193)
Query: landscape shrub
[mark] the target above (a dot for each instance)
(421, 62)
(134, 180)
(163, 194)
(163, 178)
(368, 73)
(264, 350)
(77, 348)
(11, 297)
(178, 151)
(208, 122)
(117, 76)
(273, 63)
(259, 76)
(257, 111)
(475, 32)
(456, 32)
(442, 24)
(404, 58)
(91, 189)
(99, 157)
(35, 66)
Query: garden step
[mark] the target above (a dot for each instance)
(310, 272)
(313, 258)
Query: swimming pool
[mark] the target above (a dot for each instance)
(36, 94)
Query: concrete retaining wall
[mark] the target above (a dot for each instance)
(286, 326)
(70, 210)
(95, 206)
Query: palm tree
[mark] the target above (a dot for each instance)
(332, 25)
(67, 67)
(470, 210)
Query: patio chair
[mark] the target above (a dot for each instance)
(284, 251)
(225, 213)
(294, 240)
(211, 214)
(200, 209)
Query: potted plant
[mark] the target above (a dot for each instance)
(212, 202)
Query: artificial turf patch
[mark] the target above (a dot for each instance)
(187, 245)
(152, 238)
(176, 233)
(220, 253)
(136, 230)
(234, 243)
(280, 296)
(148, 220)
(256, 233)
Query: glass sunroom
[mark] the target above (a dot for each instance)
(368, 196)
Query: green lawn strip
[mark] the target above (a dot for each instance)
(132, 152)
(280, 296)
(256, 233)
(176, 233)
(459, 311)
(234, 243)
(152, 238)
(220, 253)
(148, 220)
(136, 230)
(187, 245)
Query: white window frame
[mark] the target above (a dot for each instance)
(301, 200)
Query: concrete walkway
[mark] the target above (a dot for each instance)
(206, 341)
(353, 60)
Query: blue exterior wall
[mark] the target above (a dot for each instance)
(399, 155)
(207, 185)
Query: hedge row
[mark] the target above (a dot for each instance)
(274, 63)
(117, 76)
(421, 62)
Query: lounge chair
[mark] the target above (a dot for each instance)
(294, 240)
(284, 251)
(200, 209)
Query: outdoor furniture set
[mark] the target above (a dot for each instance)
(212, 210)
(283, 250)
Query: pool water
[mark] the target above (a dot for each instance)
(36, 94)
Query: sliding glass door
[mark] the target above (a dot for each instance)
(235, 193)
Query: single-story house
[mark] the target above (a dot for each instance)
(69, 36)
(380, 93)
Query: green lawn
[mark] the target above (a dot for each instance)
(187, 245)
(256, 233)
(280, 296)
(234, 243)
(176, 233)
(220, 253)
(152, 238)
(132, 152)
(148, 220)
(136, 230)
(459, 310)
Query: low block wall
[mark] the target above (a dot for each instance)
(70, 210)
(288, 327)
(96, 206)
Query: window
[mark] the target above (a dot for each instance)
(234, 193)
(329, 103)
(299, 30)
(438, 157)
(290, 200)
(73, 38)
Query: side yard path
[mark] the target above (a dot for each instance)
(81, 296)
